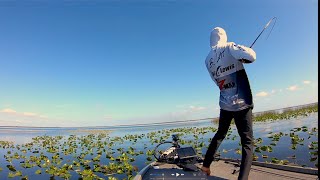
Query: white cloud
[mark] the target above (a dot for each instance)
(262, 94)
(8, 110)
(29, 114)
(107, 117)
(188, 112)
(43, 117)
(306, 82)
(195, 108)
(184, 112)
(190, 108)
(11, 117)
(292, 88)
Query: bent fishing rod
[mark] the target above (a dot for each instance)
(265, 27)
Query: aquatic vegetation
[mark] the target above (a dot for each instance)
(16, 173)
(278, 161)
(54, 154)
(38, 171)
(6, 144)
(285, 114)
(238, 151)
(100, 156)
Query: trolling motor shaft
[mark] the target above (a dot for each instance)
(175, 139)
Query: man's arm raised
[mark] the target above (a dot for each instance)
(242, 53)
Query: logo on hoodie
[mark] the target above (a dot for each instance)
(222, 84)
(221, 55)
(223, 69)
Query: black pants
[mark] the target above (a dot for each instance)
(243, 121)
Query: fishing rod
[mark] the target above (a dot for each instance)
(265, 27)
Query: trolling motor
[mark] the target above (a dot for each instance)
(184, 157)
(169, 155)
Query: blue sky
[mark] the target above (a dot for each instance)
(98, 63)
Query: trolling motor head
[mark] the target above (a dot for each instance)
(175, 139)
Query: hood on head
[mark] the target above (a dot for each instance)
(218, 35)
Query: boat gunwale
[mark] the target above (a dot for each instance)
(290, 168)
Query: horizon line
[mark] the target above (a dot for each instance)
(156, 123)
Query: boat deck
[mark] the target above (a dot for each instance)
(225, 170)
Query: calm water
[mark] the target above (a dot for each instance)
(262, 130)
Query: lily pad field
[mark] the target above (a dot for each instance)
(288, 136)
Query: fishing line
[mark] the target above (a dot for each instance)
(275, 20)
(265, 27)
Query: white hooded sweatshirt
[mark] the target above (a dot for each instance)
(224, 63)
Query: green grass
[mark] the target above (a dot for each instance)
(286, 114)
